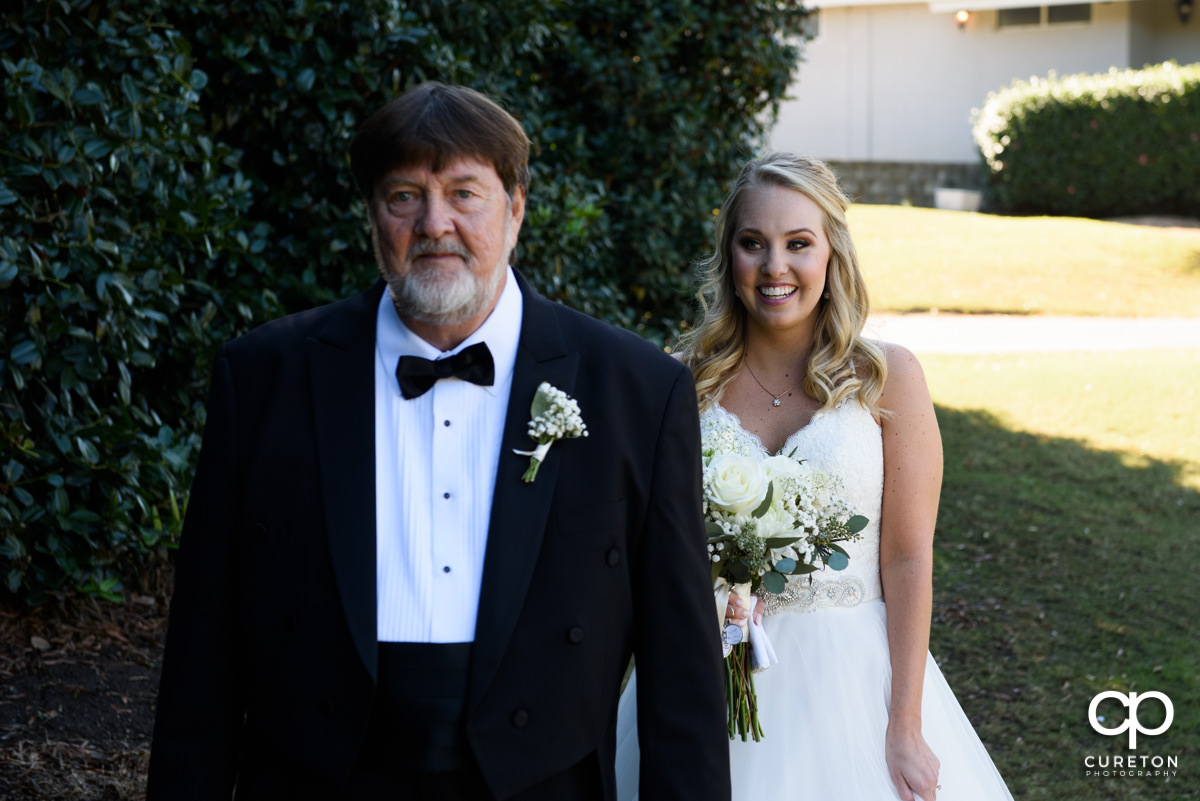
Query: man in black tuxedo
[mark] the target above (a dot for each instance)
(370, 600)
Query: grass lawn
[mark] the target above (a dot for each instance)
(1067, 559)
(916, 259)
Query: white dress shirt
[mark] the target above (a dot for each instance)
(435, 473)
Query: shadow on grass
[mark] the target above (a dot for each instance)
(1193, 263)
(1061, 571)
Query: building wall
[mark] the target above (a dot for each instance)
(897, 83)
(1156, 34)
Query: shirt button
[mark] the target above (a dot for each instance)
(575, 635)
(520, 718)
(446, 423)
(613, 557)
(446, 495)
(446, 569)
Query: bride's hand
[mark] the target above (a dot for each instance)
(914, 767)
(735, 610)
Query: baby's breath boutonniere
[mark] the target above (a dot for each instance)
(555, 417)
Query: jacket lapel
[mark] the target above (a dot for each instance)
(343, 392)
(519, 510)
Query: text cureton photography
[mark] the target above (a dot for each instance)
(1130, 764)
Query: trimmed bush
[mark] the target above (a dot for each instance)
(1118, 143)
(639, 113)
(114, 202)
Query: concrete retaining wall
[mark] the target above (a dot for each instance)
(896, 183)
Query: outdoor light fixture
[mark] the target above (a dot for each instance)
(1184, 9)
(963, 15)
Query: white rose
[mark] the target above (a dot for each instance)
(781, 467)
(778, 527)
(737, 484)
(777, 514)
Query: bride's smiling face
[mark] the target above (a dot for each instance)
(779, 255)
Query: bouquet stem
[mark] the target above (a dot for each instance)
(740, 695)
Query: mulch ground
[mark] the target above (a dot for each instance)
(79, 683)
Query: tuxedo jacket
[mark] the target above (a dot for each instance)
(271, 644)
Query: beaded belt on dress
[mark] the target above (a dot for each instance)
(806, 594)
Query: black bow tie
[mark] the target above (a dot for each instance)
(417, 375)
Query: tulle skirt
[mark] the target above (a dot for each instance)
(824, 714)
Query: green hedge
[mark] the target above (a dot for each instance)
(174, 174)
(114, 201)
(1118, 143)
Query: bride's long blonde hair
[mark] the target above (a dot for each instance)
(842, 364)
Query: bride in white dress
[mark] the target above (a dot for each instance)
(856, 709)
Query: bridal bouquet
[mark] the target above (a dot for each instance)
(767, 518)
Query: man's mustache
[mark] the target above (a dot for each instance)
(427, 246)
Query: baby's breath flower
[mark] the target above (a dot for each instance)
(555, 416)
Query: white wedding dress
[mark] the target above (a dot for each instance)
(824, 707)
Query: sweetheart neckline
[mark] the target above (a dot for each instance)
(737, 421)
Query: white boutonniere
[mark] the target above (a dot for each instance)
(555, 416)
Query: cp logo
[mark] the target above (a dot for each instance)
(1131, 723)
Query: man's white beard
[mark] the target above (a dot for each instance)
(436, 296)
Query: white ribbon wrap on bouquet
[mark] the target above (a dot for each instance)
(722, 589)
(721, 596)
(762, 654)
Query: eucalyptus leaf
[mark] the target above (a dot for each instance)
(837, 561)
(856, 523)
(774, 582)
(786, 565)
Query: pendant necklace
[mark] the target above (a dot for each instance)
(774, 398)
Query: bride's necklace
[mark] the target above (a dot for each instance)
(775, 399)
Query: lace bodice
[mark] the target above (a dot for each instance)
(846, 442)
